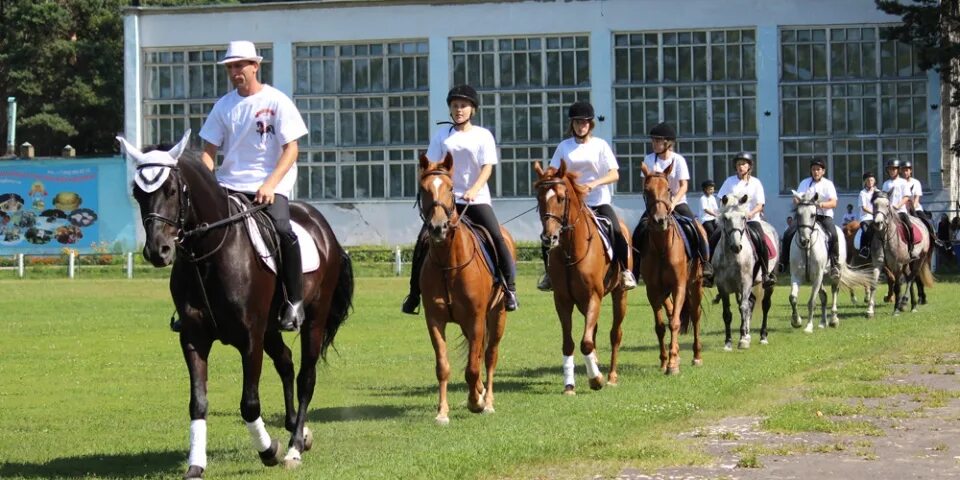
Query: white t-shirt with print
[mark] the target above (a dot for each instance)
(591, 160)
(895, 188)
(913, 188)
(866, 202)
(707, 202)
(251, 132)
(751, 187)
(679, 172)
(824, 188)
(471, 150)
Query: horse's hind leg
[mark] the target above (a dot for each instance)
(746, 311)
(195, 352)
(496, 321)
(834, 317)
(727, 320)
(588, 344)
(619, 297)
(765, 306)
(283, 362)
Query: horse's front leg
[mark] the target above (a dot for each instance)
(727, 320)
(872, 293)
(437, 330)
(656, 304)
(795, 320)
(195, 352)
(815, 288)
(564, 306)
(679, 297)
(619, 297)
(251, 356)
(474, 331)
(588, 344)
(746, 311)
(496, 322)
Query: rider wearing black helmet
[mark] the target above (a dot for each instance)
(474, 154)
(897, 189)
(663, 137)
(593, 160)
(914, 190)
(744, 183)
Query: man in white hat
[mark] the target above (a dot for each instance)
(256, 127)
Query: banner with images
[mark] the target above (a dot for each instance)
(46, 208)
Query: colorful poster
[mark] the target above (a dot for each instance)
(46, 208)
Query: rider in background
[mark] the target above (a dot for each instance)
(896, 189)
(593, 159)
(866, 213)
(914, 190)
(708, 207)
(664, 138)
(256, 127)
(474, 154)
(744, 183)
(826, 202)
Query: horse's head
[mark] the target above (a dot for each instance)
(556, 189)
(733, 220)
(437, 207)
(656, 194)
(162, 196)
(806, 216)
(881, 211)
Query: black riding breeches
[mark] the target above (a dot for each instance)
(279, 211)
(482, 214)
(710, 226)
(833, 248)
(702, 244)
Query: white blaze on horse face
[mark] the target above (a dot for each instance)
(436, 187)
(198, 443)
(550, 194)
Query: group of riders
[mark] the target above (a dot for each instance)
(591, 158)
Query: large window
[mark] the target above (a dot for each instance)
(180, 87)
(525, 86)
(850, 97)
(365, 106)
(701, 82)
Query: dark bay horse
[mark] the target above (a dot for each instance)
(579, 270)
(669, 273)
(458, 287)
(224, 292)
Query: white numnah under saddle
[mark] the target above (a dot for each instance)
(309, 253)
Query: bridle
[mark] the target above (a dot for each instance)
(563, 221)
(448, 210)
(800, 226)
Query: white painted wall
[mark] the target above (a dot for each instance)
(395, 222)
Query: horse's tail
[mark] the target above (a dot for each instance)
(925, 275)
(341, 303)
(855, 278)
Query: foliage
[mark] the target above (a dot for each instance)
(933, 27)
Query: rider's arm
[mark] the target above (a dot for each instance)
(611, 177)
(287, 158)
(827, 204)
(485, 172)
(209, 155)
(681, 191)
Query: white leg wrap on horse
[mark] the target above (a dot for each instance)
(593, 370)
(568, 367)
(258, 434)
(198, 443)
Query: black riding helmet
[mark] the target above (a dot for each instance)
(707, 183)
(663, 130)
(745, 156)
(581, 111)
(818, 162)
(906, 164)
(869, 175)
(465, 92)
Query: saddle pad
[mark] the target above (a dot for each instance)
(856, 239)
(771, 247)
(917, 234)
(309, 255)
(605, 227)
(486, 245)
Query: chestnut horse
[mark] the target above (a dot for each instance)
(223, 291)
(668, 272)
(579, 270)
(458, 287)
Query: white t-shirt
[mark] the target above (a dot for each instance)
(824, 188)
(591, 160)
(251, 132)
(896, 188)
(707, 202)
(751, 187)
(914, 189)
(471, 150)
(866, 202)
(679, 172)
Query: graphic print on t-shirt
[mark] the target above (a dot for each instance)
(265, 120)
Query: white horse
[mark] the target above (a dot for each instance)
(890, 250)
(809, 259)
(737, 270)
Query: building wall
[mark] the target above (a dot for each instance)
(394, 221)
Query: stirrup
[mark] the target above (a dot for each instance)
(510, 299)
(544, 284)
(292, 317)
(627, 280)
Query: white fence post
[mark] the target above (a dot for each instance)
(399, 262)
(20, 271)
(129, 264)
(71, 263)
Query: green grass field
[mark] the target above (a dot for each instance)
(92, 384)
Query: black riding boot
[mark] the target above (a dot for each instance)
(866, 236)
(544, 284)
(834, 251)
(292, 273)
(703, 248)
(412, 302)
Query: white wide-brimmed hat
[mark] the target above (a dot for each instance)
(240, 50)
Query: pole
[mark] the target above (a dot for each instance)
(70, 263)
(129, 264)
(11, 126)
(399, 262)
(20, 270)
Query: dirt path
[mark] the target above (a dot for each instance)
(918, 440)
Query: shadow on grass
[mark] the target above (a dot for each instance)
(354, 413)
(166, 464)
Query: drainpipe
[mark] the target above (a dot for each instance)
(11, 125)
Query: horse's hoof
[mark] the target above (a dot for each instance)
(673, 371)
(809, 329)
(697, 362)
(764, 341)
(914, 310)
(821, 325)
(569, 390)
(292, 459)
(744, 344)
(193, 473)
(307, 439)
(613, 379)
(271, 456)
(488, 410)
(728, 347)
(597, 383)
(442, 420)
(834, 323)
(475, 407)
(796, 323)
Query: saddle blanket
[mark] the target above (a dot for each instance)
(309, 254)
(605, 226)
(917, 234)
(771, 248)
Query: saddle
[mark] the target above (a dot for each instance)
(917, 233)
(263, 237)
(605, 227)
(487, 248)
(691, 238)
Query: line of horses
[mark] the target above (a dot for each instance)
(223, 291)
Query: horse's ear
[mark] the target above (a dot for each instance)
(537, 168)
(816, 195)
(562, 172)
(743, 199)
(424, 162)
(796, 194)
(666, 171)
(448, 162)
(181, 146)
